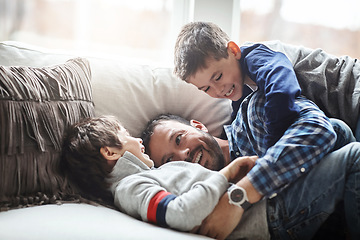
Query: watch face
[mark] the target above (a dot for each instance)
(237, 195)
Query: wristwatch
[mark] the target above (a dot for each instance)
(238, 197)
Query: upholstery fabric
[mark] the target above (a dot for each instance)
(36, 106)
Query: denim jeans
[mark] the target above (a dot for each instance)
(299, 210)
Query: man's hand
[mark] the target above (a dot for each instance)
(238, 168)
(222, 221)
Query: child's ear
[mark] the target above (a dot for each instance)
(234, 49)
(198, 125)
(110, 153)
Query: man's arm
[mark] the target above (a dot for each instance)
(225, 213)
(222, 221)
(238, 168)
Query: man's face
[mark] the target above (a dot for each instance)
(175, 141)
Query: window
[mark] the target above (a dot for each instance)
(145, 30)
(331, 25)
(137, 29)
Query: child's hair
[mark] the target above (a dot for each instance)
(195, 44)
(82, 159)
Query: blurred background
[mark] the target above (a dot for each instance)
(145, 30)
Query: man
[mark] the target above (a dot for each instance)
(287, 163)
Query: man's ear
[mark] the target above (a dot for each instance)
(234, 49)
(110, 153)
(198, 125)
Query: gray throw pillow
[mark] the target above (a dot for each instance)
(36, 106)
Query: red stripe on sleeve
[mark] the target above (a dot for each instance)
(154, 202)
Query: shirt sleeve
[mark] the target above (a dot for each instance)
(144, 198)
(274, 75)
(301, 147)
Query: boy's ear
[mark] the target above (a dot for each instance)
(198, 125)
(110, 153)
(234, 49)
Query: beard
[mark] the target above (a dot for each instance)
(217, 160)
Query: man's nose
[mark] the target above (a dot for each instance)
(183, 154)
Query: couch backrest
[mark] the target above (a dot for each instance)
(133, 93)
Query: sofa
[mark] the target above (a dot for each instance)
(95, 86)
(42, 91)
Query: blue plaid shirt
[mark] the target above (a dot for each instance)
(301, 147)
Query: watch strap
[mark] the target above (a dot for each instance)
(246, 205)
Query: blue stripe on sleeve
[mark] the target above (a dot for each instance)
(161, 209)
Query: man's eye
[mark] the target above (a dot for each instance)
(178, 139)
(219, 77)
(206, 89)
(169, 159)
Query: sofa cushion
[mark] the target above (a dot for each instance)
(36, 106)
(81, 222)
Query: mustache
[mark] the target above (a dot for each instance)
(214, 151)
(193, 153)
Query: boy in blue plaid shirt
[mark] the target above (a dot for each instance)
(205, 57)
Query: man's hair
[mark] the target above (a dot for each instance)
(151, 125)
(81, 158)
(196, 43)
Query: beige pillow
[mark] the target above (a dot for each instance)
(137, 93)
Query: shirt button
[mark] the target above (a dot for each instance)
(237, 153)
(273, 195)
(302, 169)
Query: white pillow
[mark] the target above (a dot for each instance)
(138, 93)
(133, 93)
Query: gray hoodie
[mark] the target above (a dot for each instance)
(179, 195)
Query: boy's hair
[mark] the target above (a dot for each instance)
(150, 126)
(196, 43)
(82, 159)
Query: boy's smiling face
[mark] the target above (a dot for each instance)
(221, 78)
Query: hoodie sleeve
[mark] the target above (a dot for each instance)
(143, 198)
(191, 208)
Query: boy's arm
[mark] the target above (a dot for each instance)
(274, 75)
(143, 197)
(302, 146)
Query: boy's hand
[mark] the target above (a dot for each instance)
(238, 168)
(226, 214)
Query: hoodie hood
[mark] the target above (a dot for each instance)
(126, 165)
